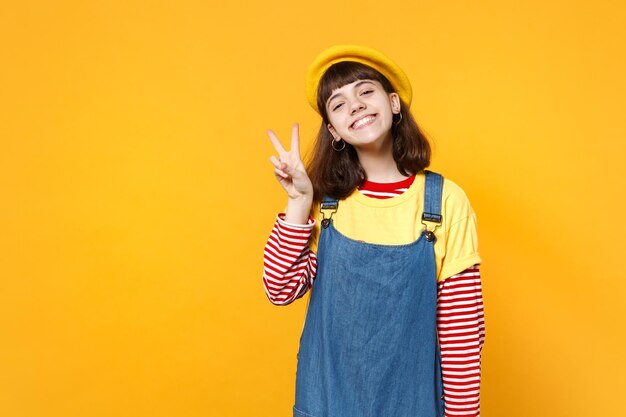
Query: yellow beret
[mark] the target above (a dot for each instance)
(364, 55)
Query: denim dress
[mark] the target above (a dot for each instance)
(369, 344)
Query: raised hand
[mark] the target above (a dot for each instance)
(289, 169)
(291, 174)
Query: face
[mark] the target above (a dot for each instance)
(361, 113)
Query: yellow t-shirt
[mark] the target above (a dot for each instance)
(397, 221)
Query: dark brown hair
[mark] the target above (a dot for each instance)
(337, 174)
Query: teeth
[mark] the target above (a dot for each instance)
(363, 121)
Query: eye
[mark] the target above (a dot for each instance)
(367, 92)
(337, 106)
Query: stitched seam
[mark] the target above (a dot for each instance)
(303, 413)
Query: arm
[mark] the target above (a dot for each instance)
(461, 329)
(289, 266)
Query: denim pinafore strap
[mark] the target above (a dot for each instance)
(369, 344)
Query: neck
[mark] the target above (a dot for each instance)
(378, 163)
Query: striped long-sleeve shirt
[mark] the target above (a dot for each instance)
(290, 268)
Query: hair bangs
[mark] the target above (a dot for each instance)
(343, 73)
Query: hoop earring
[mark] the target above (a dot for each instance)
(336, 148)
(399, 120)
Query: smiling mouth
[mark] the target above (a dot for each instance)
(363, 121)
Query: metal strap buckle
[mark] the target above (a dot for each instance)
(327, 206)
(431, 218)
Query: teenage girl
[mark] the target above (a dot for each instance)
(394, 325)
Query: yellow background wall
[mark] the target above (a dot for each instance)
(137, 195)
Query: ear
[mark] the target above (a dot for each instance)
(394, 100)
(333, 132)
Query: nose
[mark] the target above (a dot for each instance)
(356, 106)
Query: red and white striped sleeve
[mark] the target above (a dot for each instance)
(461, 329)
(289, 265)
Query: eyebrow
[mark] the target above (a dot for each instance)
(355, 86)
